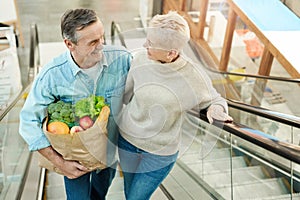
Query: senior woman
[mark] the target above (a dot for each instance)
(162, 85)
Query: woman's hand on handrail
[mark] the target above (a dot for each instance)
(217, 112)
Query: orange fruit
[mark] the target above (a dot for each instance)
(58, 128)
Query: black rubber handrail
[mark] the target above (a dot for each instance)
(285, 149)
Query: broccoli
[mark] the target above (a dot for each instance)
(65, 113)
(55, 116)
(51, 108)
(61, 111)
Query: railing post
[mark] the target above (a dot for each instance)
(225, 56)
(202, 17)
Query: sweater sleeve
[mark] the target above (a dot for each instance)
(210, 95)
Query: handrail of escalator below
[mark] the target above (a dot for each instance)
(214, 70)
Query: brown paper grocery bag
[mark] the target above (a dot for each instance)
(88, 147)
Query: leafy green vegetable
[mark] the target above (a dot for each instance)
(61, 111)
(90, 106)
(67, 113)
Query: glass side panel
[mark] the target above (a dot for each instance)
(266, 174)
(14, 154)
(236, 169)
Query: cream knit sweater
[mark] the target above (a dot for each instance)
(156, 99)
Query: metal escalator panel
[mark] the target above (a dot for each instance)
(229, 167)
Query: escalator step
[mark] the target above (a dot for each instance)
(255, 189)
(240, 175)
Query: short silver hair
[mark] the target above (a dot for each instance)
(171, 30)
(75, 20)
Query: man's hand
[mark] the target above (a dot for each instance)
(70, 169)
(216, 112)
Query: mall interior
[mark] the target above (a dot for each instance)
(250, 50)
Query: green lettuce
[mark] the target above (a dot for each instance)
(90, 106)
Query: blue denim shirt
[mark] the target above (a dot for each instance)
(62, 79)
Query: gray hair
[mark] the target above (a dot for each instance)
(75, 20)
(171, 30)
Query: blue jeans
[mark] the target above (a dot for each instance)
(143, 172)
(91, 186)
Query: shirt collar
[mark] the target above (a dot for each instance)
(74, 67)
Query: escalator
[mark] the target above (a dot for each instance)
(230, 167)
(222, 161)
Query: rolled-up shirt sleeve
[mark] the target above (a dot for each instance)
(32, 115)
